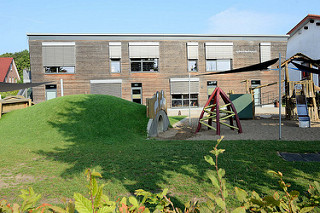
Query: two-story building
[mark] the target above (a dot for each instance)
(135, 66)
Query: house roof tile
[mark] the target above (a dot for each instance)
(303, 22)
(4, 67)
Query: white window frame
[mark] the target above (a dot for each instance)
(194, 69)
(112, 61)
(142, 61)
(217, 67)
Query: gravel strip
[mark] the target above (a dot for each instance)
(264, 127)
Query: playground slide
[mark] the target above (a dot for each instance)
(302, 111)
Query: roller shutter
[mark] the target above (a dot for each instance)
(144, 49)
(58, 54)
(181, 86)
(106, 88)
(219, 50)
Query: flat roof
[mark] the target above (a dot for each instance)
(149, 36)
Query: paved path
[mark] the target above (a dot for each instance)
(264, 127)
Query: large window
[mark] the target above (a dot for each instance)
(144, 65)
(218, 65)
(192, 65)
(60, 70)
(182, 100)
(115, 65)
(219, 56)
(58, 57)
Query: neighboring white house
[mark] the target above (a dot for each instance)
(305, 38)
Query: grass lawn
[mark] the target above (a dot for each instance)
(48, 146)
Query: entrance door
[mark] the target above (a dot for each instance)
(51, 91)
(136, 92)
(257, 92)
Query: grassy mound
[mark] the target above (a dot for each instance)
(78, 117)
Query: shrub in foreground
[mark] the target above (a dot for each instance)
(97, 202)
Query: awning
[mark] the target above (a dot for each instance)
(305, 69)
(311, 61)
(6, 87)
(260, 66)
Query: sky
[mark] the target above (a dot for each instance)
(271, 17)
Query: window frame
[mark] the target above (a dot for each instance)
(57, 70)
(216, 64)
(196, 65)
(182, 99)
(113, 60)
(142, 61)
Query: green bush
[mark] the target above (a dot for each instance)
(142, 201)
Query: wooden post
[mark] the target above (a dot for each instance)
(287, 91)
(217, 113)
(247, 86)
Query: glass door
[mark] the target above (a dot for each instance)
(136, 92)
(257, 92)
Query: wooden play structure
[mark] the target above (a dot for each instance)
(213, 112)
(13, 102)
(300, 90)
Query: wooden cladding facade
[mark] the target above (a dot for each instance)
(93, 62)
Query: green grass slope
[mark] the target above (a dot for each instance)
(75, 118)
(63, 136)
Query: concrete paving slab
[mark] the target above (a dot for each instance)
(291, 156)
(300, 157)
(315, 157)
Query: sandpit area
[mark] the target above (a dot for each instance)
(263, 127)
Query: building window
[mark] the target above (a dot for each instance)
(144, 65)
(60, 70)
(51, 91)
(115, 56)
(192, 54)
(192, 65)
(218, 65)
(136, 92)
(59, 57)
(115, 65)
(265, 51)
(211, 65)
(182, 100)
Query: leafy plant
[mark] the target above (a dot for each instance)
(288, 201)
(30, 198)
